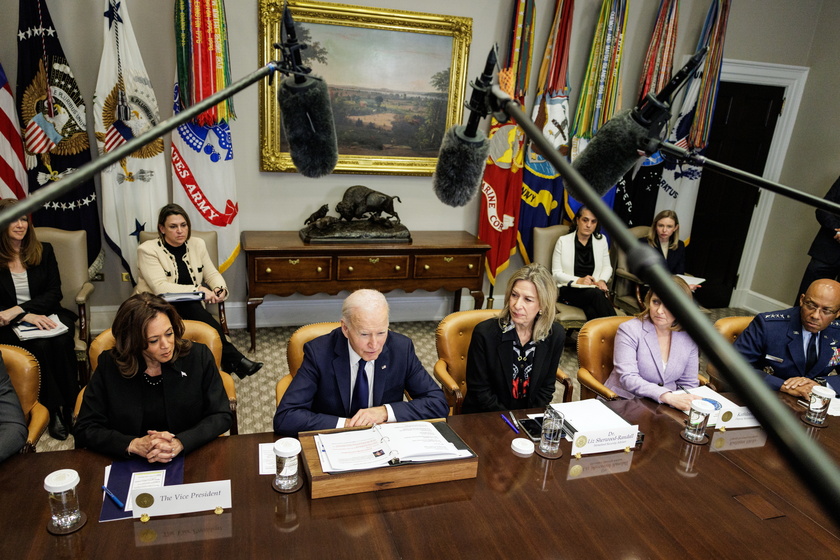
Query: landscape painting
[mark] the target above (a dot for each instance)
(394, 89)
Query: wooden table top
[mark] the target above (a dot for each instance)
(665, 499)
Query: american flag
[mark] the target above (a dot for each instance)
(13, 181)
(40, 135)
(117, 134)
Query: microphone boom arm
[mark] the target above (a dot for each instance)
(816, 469)
(749, 178)
(40, 197)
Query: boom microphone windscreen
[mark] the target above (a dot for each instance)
(460, 166)
(309, 126)
(612, 152)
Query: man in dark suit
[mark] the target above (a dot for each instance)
(13, 429)
(792, 347)
(825, 249)
(356, 375)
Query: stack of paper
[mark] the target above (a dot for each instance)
(28, 331)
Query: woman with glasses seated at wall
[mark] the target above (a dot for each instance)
(178, 263)
(581, 266)
(653, 357)
(155, 394)
(30, 291)
(513, 358)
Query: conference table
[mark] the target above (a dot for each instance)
(664, 499)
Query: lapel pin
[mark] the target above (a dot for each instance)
(183, 374)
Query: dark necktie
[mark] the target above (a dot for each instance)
(360, 391)
(811, 358)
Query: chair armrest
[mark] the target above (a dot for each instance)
(84, 293)
(588, 380)
(450, 387)
(39, 417)
(627, 275)
(564, 378)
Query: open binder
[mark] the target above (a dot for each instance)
(389, 445)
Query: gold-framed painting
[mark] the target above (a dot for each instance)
(396, 79)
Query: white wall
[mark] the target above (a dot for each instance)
(770, 30)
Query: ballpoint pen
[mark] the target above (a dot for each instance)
(113, 497)
(509, 423)
(683, 389)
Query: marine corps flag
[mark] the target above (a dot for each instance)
(13, 182)
(52, 114)
(501, 189)
(203, 177)
(133, 189)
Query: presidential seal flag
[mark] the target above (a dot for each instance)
(13, 182)
(203, 178)
(52, 113)
(124, 107)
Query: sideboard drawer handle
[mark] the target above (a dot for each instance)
(426, 267)
(448, 259)
(319, 269)
(397, 268)
(373, 260)
(294, 261)
(470, 266)
(268, 271)
(349, 269)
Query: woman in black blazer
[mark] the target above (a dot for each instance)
(512, 359)
(30, 291)
(154, 395)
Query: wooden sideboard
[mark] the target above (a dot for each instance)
(279, 263)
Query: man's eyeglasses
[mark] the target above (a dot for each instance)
(824, 311)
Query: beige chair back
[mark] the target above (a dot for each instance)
(25, 374)
(545, 239)
(452, 338)
(626, 285)
(71, 254)
(294, 352)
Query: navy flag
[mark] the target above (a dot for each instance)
(52, 114)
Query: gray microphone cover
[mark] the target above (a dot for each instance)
(612, 152)
(309, 126)
(460, 166)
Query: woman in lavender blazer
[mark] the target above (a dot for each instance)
(653, 355)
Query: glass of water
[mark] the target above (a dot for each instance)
(552, 431)
(64, 505)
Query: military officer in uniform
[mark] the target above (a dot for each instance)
(790, 348)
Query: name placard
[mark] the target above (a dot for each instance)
(601, 441)
(736, 417)
(599, 465)
(182, 498)
(740, 439)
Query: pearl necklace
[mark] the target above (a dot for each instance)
(149, 378)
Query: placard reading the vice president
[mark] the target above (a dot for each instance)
(182, 498)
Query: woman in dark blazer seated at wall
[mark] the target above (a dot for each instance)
(178, 263)
(154, 395)
(581, 266)
(664, 236)
(512, 359)
(30, 291)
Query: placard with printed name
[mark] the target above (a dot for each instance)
(182, 498)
